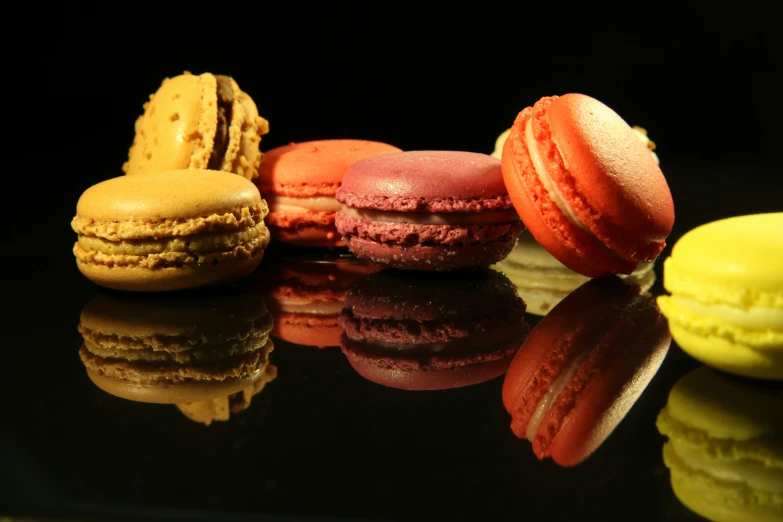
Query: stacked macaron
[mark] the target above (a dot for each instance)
(208, 352)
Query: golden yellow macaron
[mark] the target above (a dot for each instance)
(170, 230)
(198, 122)
(726, 304)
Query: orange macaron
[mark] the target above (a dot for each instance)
(586, 186)
(299, 181)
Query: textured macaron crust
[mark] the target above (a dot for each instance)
(726, 302)
(543, 281)
(411, 332)
(725, 446)
(198, 122)
(170, 230)
(583, 367)
(586, 186)
(427, 210)
(299, 181)
(178, 349)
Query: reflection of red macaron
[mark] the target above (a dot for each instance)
(582, 368)
(586, 187)
(427, 210)
(411, 332)
(305, 295)
(298, 182)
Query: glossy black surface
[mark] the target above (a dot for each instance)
(320, 440)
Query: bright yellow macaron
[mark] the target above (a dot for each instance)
(725, 447)
(726, 302)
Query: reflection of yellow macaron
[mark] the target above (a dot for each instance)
(726, 307)
(725, 448)
(198, 122)
(169, 230)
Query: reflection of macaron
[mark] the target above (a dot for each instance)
(726, 307)
(183, 349)
(427, 210)
(305, 296)
(725, 447)
(543, 281)
(412, 332)
(198, 122)
(299, 181)
(170, 230)
(583, 367)
(586, 186)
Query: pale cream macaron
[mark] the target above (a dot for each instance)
(542, 281)
(170, 230)
(198, 122)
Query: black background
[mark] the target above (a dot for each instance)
(704, 81)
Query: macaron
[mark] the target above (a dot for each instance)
(725, 446)
(171, 230)
(305, 295)
(198, 122)
(586, 186)
(409, 331)
(427, 210)
(583, 367)
(299, 181)
(543, 281)
(177, 349)
(726, 304)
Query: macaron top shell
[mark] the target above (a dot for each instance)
(314, 168)
(612, 170)
(434, 181)
(734, 261)
(171, 194)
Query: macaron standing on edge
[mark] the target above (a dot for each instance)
(299, 182)
(586, 186)
(203, 122)
(726, 304)
(170, 230)
(427, 210)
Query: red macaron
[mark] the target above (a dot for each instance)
(409, 331)
(583, 367)
(427, 210)
(586, 187)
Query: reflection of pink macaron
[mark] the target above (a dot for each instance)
(427, 210)
(411, 332)
(586, 186)
(582, 368)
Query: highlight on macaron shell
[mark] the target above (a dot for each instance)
(583, 367)
(417, 331)
(725, 446)
(206, 352)
(203, 122)
(169, 230)
(586, 185)
(726, 304)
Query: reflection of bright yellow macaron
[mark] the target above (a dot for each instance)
(726, 307)
(725, 448)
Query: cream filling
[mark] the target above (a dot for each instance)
(554, 391)
(290, 205)
(546, 180)
(755, 318)
(753, 473)
(493, 217)
(306, 307)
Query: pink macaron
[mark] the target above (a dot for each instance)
(427, 210)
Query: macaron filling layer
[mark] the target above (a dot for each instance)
(310, 307)
(225, 102)
(491, 217)
(289, 204)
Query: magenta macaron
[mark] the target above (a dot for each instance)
(427, 210)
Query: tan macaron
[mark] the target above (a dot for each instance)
(170, 230)
(198, 122)
(180, 349)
